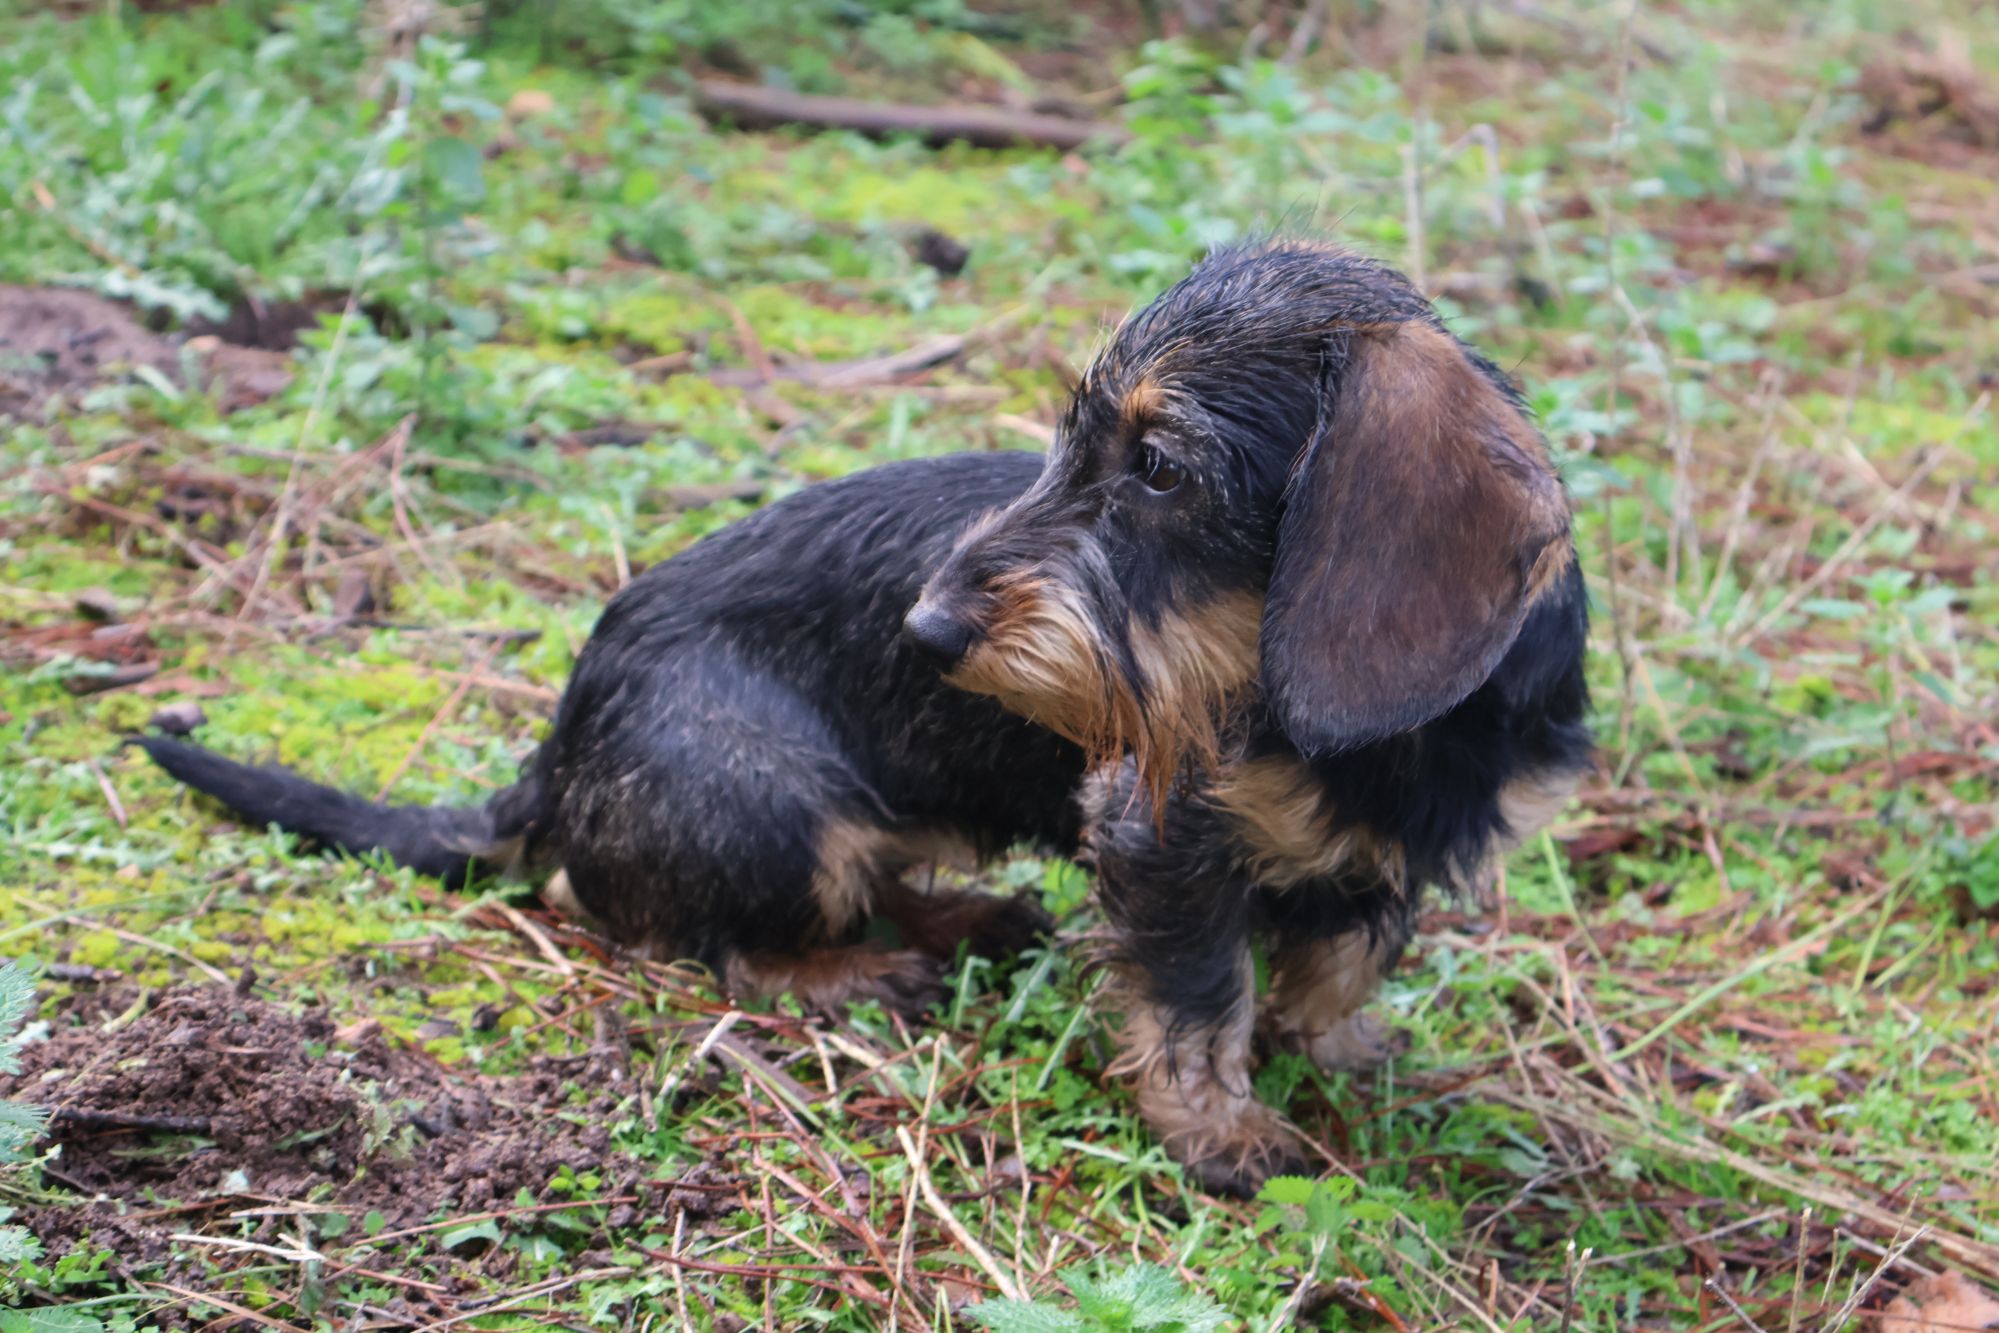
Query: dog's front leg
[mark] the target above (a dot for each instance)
(1186, 989)
(1318, 988)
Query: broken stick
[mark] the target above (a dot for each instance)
(753, 107)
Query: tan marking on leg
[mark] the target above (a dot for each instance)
(850, 860)
(1317, 990)
(562, 900)
(826, 980)
(857, 860)
(1282, 817)
(1529, 804)
(1194, 1093)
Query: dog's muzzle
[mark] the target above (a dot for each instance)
(937, 634)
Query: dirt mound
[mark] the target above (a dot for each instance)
(53, 340)
(211, 1101)
(1942, 91)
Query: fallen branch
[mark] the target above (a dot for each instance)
(850, 374)
(966, 1240)
(870, 371)
(753, 107)
(78, 1118)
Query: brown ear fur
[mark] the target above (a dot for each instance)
(1418, 527)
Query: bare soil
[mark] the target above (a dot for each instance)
(210, 1102)
(54, 340)
(56, 343)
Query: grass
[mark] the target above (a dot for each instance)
(1723, 1056)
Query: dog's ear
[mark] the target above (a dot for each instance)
(1419, 525)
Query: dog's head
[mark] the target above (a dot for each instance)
(1283, 475)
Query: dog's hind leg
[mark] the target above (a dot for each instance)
(1186, 987)
(718, 818)
(828, 979)
(937, 921)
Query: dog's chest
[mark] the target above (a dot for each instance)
(1287, 828)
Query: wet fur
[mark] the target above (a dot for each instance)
(1340, 662)
(748, 758)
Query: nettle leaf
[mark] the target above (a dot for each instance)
(54, 1319)
(1162, 1304)
(1143, 1298)
(1293, 1190)
(1098, 1304)
(1024, 1317)
(457, 168)
(1325, 1212)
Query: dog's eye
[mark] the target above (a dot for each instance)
(1157, 471)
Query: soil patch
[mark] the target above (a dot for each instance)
(54, 340)
(210, 1102)
(270, 325)
(1941, 91)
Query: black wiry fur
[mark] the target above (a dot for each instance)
(1246, 377)
(731, 703)
(431, 840)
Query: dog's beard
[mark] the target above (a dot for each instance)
(1046, 655)
(1042, 655)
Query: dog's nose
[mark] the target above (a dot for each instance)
(940, 636)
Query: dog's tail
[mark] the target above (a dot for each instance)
(455, 844)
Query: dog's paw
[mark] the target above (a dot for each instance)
(1359, 1043)
(903, 981)
(1238, 1168)
(1012, 924)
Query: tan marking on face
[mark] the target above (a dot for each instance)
(856, 861)
(1282, 816)
(1041, 656)
(1316, 993)
(1142, 401)
(1193, 1086)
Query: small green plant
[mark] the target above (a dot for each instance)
(1143, 1298)
(1975, 867)
(20, 1125)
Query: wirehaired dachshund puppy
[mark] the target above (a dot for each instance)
(1291, 605)
(1297, 578)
